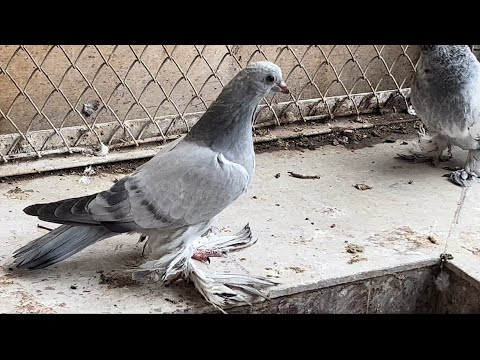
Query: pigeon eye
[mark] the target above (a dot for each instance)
(270, 79)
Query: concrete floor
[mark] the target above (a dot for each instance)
(304, 227)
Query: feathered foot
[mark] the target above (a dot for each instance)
(225, 289)
(213, 245)
(423, 158)
(471, 171)
(210, 244)
(461, 177)
(218, 289)
(428, 149)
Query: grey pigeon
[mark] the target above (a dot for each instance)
(173, 198)
(445, 94)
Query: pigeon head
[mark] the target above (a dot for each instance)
(233, 110)
(263, 77)
(257, 80)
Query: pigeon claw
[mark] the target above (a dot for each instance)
(205, 255)
(461, 178)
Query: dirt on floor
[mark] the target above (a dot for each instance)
(389, 128)
(401, 127)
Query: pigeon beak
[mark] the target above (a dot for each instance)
(282, 87)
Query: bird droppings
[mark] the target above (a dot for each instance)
(362, 187)
(87, 176)
(261, 131)
(89, 108)
(18, 193)
(276, 271)
(356, 258)
(272, 276)
(89, 171)
(17, 190)
(117, 280)
(300, 176)
(103, 150)
(352, 248)
(356, 251)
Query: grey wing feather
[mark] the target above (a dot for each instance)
(184, 186)
(57, 245)
(68, 211)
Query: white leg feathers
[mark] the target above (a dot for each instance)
(175, 258)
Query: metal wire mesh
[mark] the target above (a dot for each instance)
(65, 99)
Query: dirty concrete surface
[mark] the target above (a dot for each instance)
(312, 233)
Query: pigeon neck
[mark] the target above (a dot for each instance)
(228, 120)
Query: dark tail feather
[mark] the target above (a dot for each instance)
(58, 245)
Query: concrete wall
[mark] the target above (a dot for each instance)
(407, 292)
(118, 76)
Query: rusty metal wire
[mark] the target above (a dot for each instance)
(63, 99)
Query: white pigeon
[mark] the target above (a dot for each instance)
(445, 93)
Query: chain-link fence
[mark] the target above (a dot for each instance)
(66, 99)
